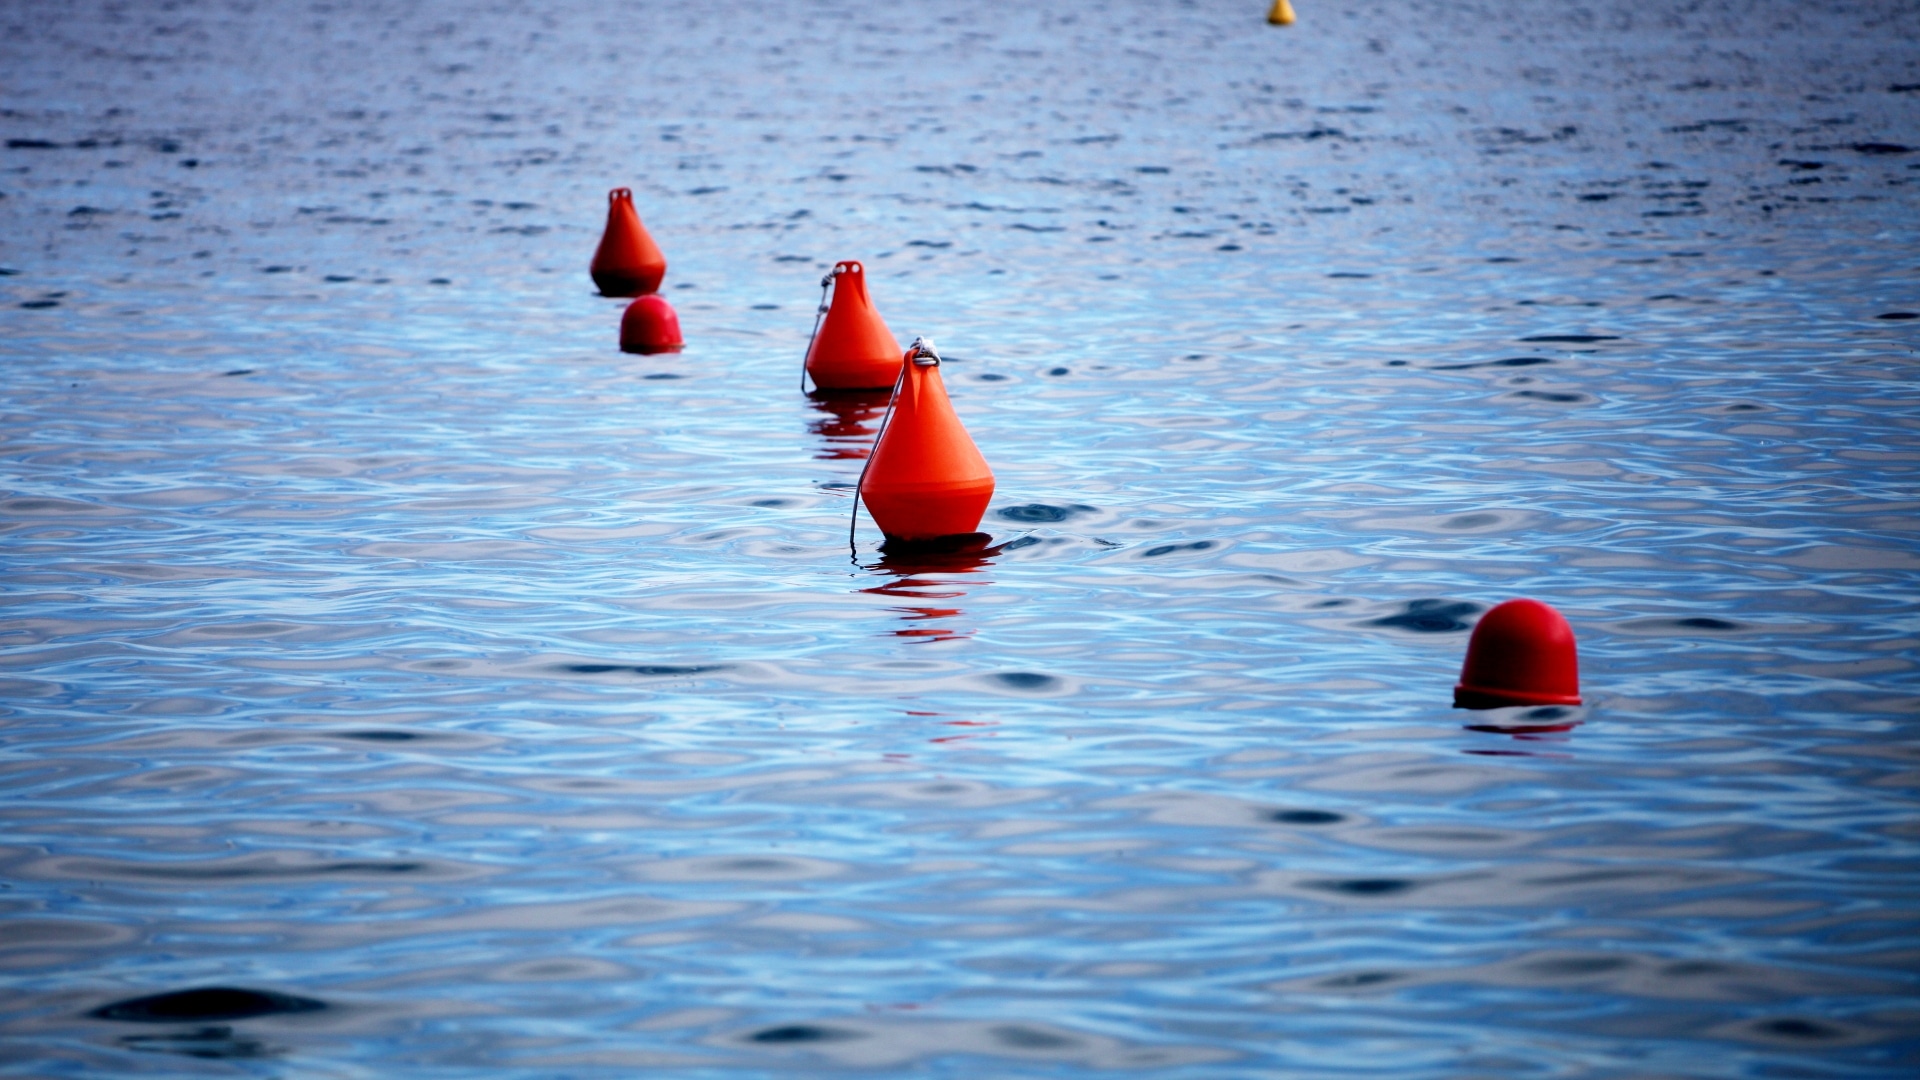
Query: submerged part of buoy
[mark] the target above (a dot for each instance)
(1521, 653)
(1281, 13)
(852, 349)
(650, 326)
(925, 479)
(628, 262)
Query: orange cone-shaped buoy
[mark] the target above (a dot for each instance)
(628, 262)
(925, 478)
(852, 349)
(650, 326)
(1521, 653)
(1281, 13)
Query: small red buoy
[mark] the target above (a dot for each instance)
(1521, 653)
(852, 349)
(650, 326)
(628, 262)
(925, 478)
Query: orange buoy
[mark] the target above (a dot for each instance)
(852, 348)
(650, 326)
(628, 262)
(925, 478)
(1281, 13)
(1521, 653)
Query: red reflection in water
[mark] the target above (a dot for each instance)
(933, 571)
(851, 423)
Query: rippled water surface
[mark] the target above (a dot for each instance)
(399, 680)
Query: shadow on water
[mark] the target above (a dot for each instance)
(933, 570)
(849, 423)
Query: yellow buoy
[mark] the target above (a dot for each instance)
(1281, 14)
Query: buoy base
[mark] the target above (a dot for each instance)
(1468, 697)
(628, 283)
(855, 374)
(933, 513)
(650, 350)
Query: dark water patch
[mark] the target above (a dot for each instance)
(766, 307)
(1511, 361)
(1223, 247)
(1025, 1038)
(1686, 626)
(647, 670)
(1159, 550)
(1798, 1029)
(338, 279)
(1557, 397)
(236, 372)
(1360, 979)
(661, 376)
(1042, 512)
(213, 1043)
(1025, 680)
(1430, 616)
(937, 245)
(1348, 274)
(1364, 886)
(1571, 339)
(1306, 817)
(381, 736)
(205, 1003)
(1059, 371)
(1024, 227)
(32, 144)
(1881, 148)
(702, 191)
(1562, 966)
(39, 305)
(276, 269)
(1153, 169)
(1799, 165)
(791, 1034)
(989, 377)
(1898, 316)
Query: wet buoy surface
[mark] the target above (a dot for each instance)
(853, 349)
(628, 262)
(925, 479)
(650, 325)
(1521, 653)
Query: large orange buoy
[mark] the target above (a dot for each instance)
(925, 478)
(852, 348)
(628, 262)
(1521, 653)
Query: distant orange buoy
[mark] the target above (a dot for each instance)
(628, 262)
(650, 326)
(925, 478)
(1521, 653)
(852, 348)
(1281, 13)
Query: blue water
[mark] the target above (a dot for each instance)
(379, 637)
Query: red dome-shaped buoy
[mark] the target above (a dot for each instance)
(925, 478)
(628, 262)
(650, 326)
(1521, 653)
(852, 349)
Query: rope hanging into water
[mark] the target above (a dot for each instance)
(819, 314)
(921, 353)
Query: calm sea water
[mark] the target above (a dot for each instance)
(414, 685)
